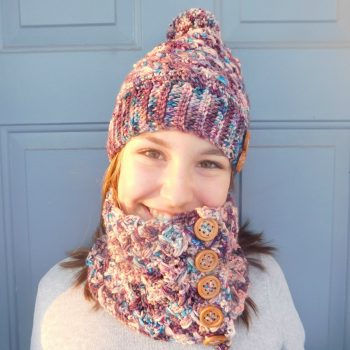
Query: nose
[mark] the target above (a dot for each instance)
(177, 188)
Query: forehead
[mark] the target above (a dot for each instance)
(174, 139)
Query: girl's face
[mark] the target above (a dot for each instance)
(171, 172)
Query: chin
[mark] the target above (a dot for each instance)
(144, 213)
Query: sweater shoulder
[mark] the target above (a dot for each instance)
(270, 274)
(57, 279)
(54, 283)
(278, 302)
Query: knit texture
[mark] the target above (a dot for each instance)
(143, 273)
(191, 83)
(276, 326)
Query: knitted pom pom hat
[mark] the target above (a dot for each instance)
(191, 83)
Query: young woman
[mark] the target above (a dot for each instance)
(169, 266)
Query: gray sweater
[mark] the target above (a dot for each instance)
(64, 320)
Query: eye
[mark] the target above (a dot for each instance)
(151, 153)
(210, 164)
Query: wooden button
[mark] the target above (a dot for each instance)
(209, 287)
(206, 229)
(215, 340)
(211, 316)
(206, 260)
(241, 161)
(243, 155)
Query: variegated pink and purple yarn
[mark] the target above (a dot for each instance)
(143, 272)
(191, 83)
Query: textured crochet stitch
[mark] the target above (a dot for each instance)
(143, 272)
(191, 82)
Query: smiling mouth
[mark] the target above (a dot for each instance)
(155, 214)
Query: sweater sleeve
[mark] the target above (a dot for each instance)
(282, 305)
(51, 285)
(38, 315)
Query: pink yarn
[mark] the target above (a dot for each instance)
(143, 272)
(191, 82)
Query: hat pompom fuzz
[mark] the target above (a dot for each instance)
(192, 20)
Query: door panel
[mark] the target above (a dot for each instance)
(60, 69)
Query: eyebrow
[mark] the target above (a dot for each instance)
(208, 151)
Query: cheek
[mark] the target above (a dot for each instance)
(134, 182)
(214, 197)
(213, 193)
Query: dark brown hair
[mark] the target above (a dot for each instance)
(251, 243)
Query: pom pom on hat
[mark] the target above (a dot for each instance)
(190, 83)
(192, 20)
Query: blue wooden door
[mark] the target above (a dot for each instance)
(61, 65)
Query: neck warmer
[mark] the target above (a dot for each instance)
(183, 279)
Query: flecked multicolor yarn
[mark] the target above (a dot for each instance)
(190, 83)
(143, 272)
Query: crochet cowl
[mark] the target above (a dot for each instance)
(143, 272)
(191, 83)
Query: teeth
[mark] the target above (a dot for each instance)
(160, 216)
